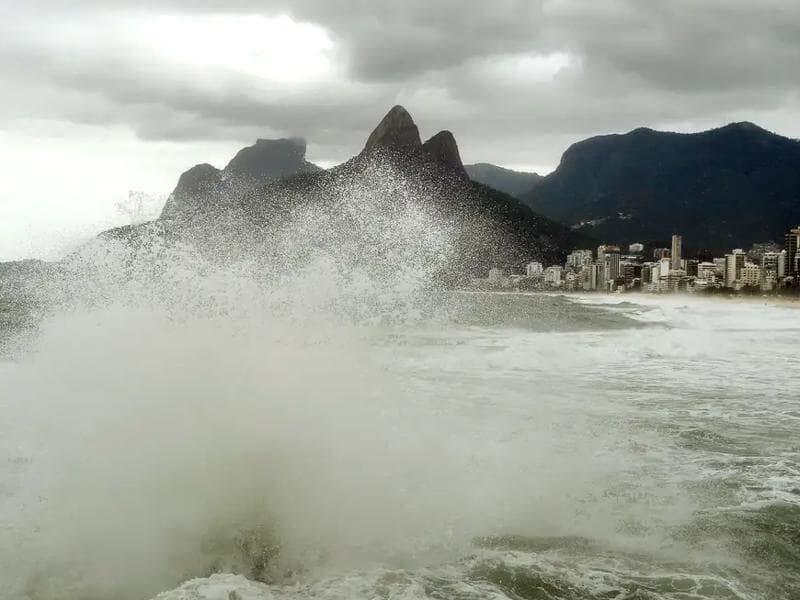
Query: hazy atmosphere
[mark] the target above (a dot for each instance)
(103, 98)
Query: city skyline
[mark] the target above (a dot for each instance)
(668, 271)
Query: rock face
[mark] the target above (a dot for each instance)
(203, 186)
(197, 189)
(724, 188)
(397, 139)
(514, 183)
(443, 150)
(396, 133)
(493, 229)
(270, 159)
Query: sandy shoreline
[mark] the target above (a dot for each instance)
(647, 298)
(781, 301)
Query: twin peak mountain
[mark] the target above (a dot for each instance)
(266, 185)
(396, 139)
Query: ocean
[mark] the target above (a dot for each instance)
(467, 446)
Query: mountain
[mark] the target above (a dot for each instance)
(513, 183)
(490, 227)
(724, 188)
(397, 185)
(264, 161)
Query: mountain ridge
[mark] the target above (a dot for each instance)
(730, 186)
(492, 228)
(253, 165)
(509, 181)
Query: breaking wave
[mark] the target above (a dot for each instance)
(318, 418)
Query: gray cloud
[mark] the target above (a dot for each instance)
(626, 64)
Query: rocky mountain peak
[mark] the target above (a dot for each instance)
(396, 132)
(443, 150)
(270, 159)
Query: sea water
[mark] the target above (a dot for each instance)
(311, 414)
(485, 446)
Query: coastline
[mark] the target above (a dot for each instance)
(788, 301)
(649, 298)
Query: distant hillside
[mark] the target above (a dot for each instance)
(514, 183)
(722, 188)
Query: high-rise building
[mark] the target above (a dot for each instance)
(676, 280)
(533, 268)
(577, 259)
(608, 256)
(750, 275)
(647, 273)
(552, 275)
(675, 255)
(664, 267)
(597, 279)
(774, 262)
(636, 248)
(734, 262)
(660, 253)
(707, 271)
(769, 281)
(658, 274)
(582, 279)
(604, 249)
(612, 257)
(792, 254)
(631, 272)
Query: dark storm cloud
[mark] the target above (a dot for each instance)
(667, 41)
(396, 40)
(625, 63)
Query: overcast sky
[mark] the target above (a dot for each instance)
(101, 97)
